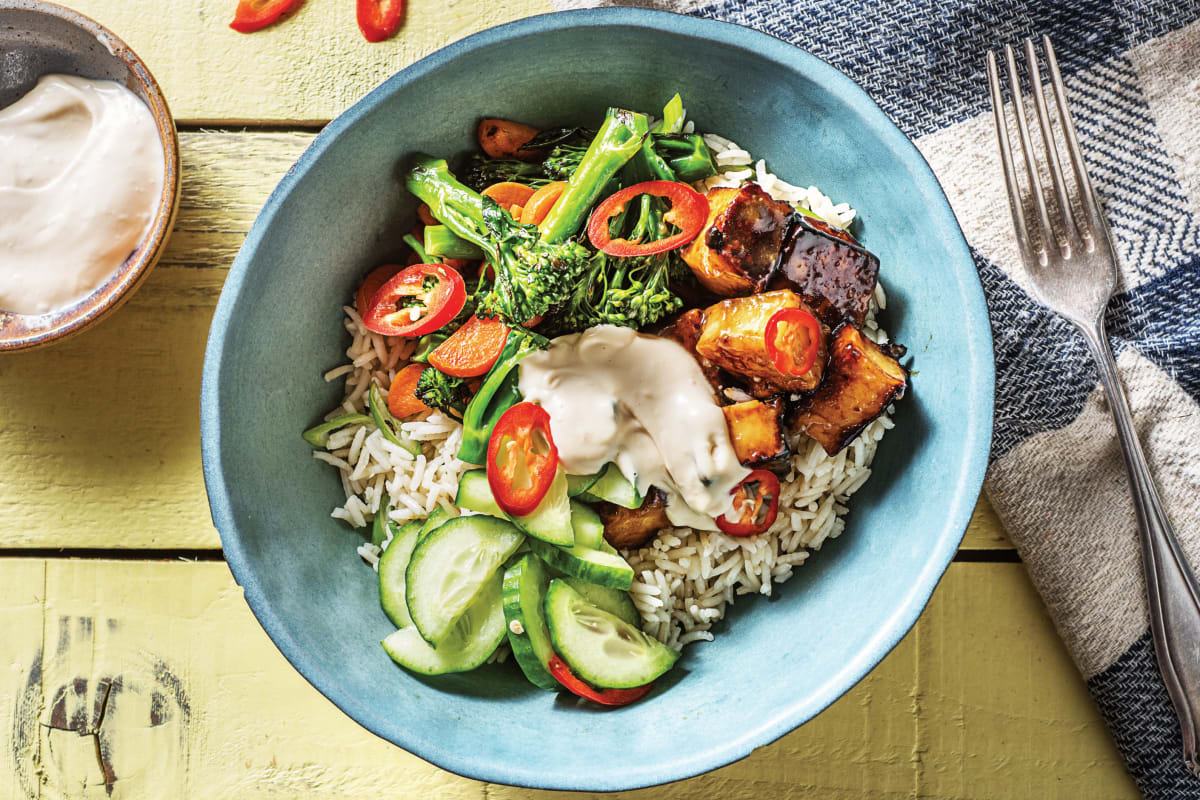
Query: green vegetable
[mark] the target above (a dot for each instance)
(672, 121)
(631, 292)
(441, 241)
(388, 425)
(600, 647)
(427, 344)
(497, 394)
(444, 392)
(481, 172)
(417, 248)
(379, 526)
(687, 155)
(449, 569)
(617, 141)
(392, 566)
(532, 273)
(318, 435)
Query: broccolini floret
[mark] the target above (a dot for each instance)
(535, 267)
(446, 393)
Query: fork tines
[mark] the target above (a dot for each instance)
(1070, 234)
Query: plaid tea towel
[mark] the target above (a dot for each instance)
(1132, 69)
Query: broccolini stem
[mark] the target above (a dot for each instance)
(459, 208)
(619, 138)
(441, 241)
(417, 248)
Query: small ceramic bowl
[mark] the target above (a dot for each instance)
(38, 38)
(775, 662)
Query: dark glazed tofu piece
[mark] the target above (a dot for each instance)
(686, 330)
(736, 249)
(860, 381)
(734, 338)
(756, 434)
(833, 274)
(627, 528)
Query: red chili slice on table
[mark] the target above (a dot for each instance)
(793, 339)
(416, 301)
(252, 15)
(521, 458)
(378, 20)
(689, 212)
(608, 697)
(755, 505)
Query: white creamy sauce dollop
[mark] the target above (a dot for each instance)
(81, 174)
(641, 401)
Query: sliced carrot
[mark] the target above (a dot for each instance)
(509, 193)
(539, 204)
(370, 285)
(426, 216)
(402, 400)
(502, 138)
(472, 349)
(456, 263)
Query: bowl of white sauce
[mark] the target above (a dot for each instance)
(89, 173)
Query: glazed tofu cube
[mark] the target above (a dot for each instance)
(834, 275)
(860, 382)
(736, 249)
(734, 338)
(756, 434)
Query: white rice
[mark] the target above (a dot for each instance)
(684, 579)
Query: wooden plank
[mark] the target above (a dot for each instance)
(308, 68)
(157, 672)
(101, 433)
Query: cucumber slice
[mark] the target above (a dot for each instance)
(593, 566)
(589, 529)
(473, 637)
(550, 521)
(602, 648)
(614, 601)
(392, 565)
(449, 569)
(578, 484)
(614, 487)
(525, 585)
(434, 521)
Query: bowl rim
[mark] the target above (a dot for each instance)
(976, 441)
(111, 295)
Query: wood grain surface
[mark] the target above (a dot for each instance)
(153, 680)
(305, 70)
(100, 434)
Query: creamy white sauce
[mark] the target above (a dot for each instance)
(616, 395)
(81, 173)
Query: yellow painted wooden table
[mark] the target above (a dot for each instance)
(129, 662)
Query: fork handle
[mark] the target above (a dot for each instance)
(1171, 588)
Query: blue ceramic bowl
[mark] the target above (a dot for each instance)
(774, 663)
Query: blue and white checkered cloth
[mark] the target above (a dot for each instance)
(1132, 69)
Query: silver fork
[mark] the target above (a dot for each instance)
(1073, 269)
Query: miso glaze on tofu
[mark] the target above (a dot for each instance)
(833, 274)
(860, 382)
(735, 251)
(734, 338)
(756, 433)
